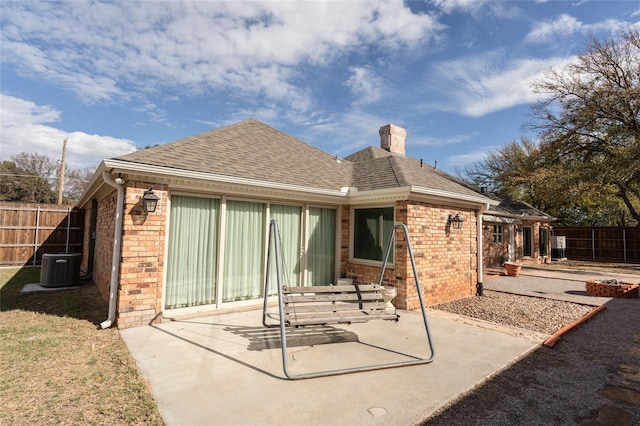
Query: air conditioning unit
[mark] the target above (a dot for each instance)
(60, 269)
(559, 248)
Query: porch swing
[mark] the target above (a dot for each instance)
(333, 304)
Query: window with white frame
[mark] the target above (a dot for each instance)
(371, 231)
(497, 233)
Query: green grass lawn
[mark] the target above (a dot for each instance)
(57, 367)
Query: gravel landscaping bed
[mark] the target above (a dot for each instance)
(591, 377)
(531, 313)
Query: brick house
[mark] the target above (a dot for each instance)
(203, 249)
(514, 231)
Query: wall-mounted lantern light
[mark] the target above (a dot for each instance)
(455, 221)
(149, 201)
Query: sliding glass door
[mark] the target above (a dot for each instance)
(243, 251)
(213, 259)
(321, 252)
(290, 225)
(192, 252)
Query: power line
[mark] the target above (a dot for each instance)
(28, 176)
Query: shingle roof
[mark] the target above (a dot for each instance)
(510, 206)
(250, 149)
(398, 171)
(253, 150)
(368, 153)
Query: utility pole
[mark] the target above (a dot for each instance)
(61, 177)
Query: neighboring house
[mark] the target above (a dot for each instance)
(204, 248)
(515, 231)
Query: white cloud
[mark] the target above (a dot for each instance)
(469, 157)
(27, 127)
(494, 9)
(365, 85)
(450, 6)
(567, 25)
(479, 85)
(435, 141)
(114, 51)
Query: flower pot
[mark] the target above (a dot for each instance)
(513, 269)
(388, 294)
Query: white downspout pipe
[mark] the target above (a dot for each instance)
(480, 285)
(117, 244)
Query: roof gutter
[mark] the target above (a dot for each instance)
(467, 199)
(117, 245)
(129, 167)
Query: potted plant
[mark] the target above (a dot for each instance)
(513, 268)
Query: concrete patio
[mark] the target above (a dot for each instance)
(227, 369)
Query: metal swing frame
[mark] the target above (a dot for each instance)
(275, 246)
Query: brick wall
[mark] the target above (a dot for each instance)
(105, 225)
(495, 253)
(86, 240)
(142, 263)
(446, 259)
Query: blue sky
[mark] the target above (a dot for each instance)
(114, 77)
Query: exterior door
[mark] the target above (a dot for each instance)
(527, 246)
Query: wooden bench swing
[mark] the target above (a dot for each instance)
(333, 304)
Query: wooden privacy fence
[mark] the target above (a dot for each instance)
(27, 231)
(612, 244)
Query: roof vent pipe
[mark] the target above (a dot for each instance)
(117, 244)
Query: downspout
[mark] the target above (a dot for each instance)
(479, 284)
(117, 244)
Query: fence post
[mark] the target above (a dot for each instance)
(66, 244)
(35, 241)
(624, 243)
(593, 244)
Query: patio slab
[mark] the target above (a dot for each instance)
(227, 369)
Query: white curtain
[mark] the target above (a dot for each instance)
(192, 252)
(321, 254)
(244, 251)
(289, 224)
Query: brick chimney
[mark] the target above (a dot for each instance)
(392, 138)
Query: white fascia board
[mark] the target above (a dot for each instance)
(93, 186)
(473, 201)
(151, 170)
(378, 196)
(501, 219)
(530, 218)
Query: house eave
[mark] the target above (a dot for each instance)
(522, 217)
(460, 200)
(187, 180)
(378, 196)
(181, 179)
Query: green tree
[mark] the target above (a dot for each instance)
(21, 184)
(33, 178)
(520, 169)
(589, 123)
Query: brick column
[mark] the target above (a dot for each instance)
(142, 263)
